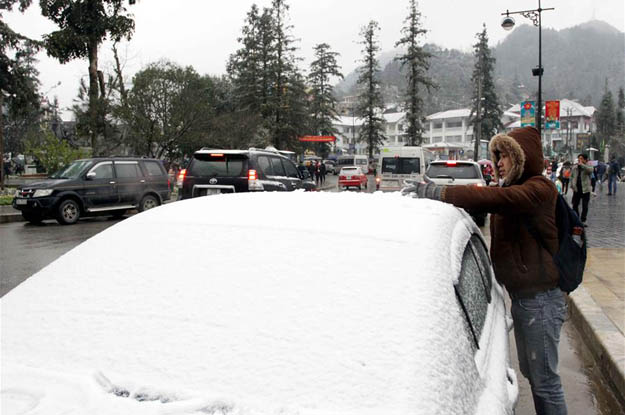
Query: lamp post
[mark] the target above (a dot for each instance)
(536, 18)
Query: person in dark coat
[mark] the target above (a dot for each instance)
(521, 263)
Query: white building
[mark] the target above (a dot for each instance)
(347, 138)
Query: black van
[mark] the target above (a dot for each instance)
(212, 172)
(96, 186)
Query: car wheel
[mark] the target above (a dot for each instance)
(69, 212)
(148, 202)
(33, 218)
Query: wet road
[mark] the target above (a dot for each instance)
(28, 248)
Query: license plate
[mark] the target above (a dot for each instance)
(21, 201)
(210, 192)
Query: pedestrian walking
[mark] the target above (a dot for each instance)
(614, 173)
(581, 178)
(524, 266)
(322, 172)
(554, 169)
(566, 175)
(601, 174)
(318, 173)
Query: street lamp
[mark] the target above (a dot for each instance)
(535, 16)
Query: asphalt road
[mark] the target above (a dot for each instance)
(28, 248)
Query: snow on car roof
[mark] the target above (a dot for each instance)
(250, 300)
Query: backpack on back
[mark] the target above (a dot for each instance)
(570, 259)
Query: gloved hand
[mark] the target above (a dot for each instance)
(424, 190)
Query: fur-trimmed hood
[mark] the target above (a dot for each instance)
(524, 148)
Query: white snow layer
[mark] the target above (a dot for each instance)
(269, 303)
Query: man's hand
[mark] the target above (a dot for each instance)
(423, 190)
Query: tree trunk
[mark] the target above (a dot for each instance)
(93, 94)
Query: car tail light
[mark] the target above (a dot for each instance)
(181, 176)
(478, 184)
(252, 181)
(451, 162)
(341, 177)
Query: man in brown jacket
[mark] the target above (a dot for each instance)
(521, 264)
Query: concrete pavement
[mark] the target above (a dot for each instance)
(598, 305)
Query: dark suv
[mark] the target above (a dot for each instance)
(212, 172)
(92, 187)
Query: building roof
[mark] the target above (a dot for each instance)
(458, 113)
(393, 117)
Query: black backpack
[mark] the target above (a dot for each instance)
(570, 259)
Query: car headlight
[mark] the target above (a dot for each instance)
(43, 192)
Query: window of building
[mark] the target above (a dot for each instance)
(453, 124)
(438, 125)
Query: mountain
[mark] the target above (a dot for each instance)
(576, 61)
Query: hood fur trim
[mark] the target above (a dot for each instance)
(503, 143)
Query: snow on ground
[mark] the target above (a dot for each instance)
(307, 303)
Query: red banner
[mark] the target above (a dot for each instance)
(318, 138)
(552, 114)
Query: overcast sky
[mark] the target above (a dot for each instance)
(203, 33)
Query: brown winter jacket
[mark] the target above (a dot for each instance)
(519, 261)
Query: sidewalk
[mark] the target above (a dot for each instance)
(598, 305)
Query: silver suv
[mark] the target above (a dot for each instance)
(457, 173)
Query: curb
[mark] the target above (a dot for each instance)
(602, 337)
(11, 217)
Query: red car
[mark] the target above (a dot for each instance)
(352, 176)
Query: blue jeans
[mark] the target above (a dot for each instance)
(612, 184)
(537, 324)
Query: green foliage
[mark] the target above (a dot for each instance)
(416, 61)
(370, 104)
(169, 110)
(53, 153)
(83, 26)
(322, 104)
(265, 76)
(485, 110)
(606, 115)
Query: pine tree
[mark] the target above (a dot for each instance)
(620, 113)
(606, 115)
(322, 101)
(416, 60)
(485, 110)
(370, 105)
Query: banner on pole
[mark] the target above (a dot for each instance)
(583, 141)
(552, 114)
(528, 114)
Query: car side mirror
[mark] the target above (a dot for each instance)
(91, 175)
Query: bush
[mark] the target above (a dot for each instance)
(53, 153)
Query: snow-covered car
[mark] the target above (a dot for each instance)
(457, 173)
(352, 176)
(414, 323)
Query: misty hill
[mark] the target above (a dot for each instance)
(576, 60)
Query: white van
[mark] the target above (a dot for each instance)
(357, 160)
(397, 164)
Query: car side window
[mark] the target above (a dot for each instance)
(153, 168)
(471, 294)
(103, 171)
(265, 165)
(483, 261)
(291, 170)
(276, 164)
(128, 170)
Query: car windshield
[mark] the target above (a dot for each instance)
(457, 171)
(400, 165)
(71, 171)
(221, 165)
